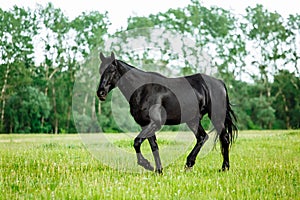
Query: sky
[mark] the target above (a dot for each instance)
(119, 11)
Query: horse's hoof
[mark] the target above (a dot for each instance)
(146, 164)
(148, 167)
(224, 169)
(187, 168)
(225, 166)
(159, 171)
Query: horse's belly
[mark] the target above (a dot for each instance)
(173, 121)
(140, 116)
(178, 114)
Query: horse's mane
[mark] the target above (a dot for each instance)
(124, 64)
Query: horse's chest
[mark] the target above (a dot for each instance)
(139, 109)
(140, 114)
(141, 101)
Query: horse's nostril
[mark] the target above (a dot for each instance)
(102, 93)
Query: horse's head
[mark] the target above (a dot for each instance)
(109, 75)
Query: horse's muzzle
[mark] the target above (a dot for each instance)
(101, 95)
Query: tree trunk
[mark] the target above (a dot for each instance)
(43, 118)
(286, 109)
(48, 78)
(85, 102)
(70, 97)
(99, 108)
(68, 119)
(46, 94)
(2, 96)
(55, 110)
(94, 109)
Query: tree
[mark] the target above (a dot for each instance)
(91, 29)
(221, 42)
(286, 89)
(67, 47)
(24, 114)
(293, 58)
(56, 25)
(18, 27)
(266, 31)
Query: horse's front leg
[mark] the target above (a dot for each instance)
(140, 158)
(149, 133)
(155, 151)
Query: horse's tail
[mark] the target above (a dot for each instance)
(230, 120)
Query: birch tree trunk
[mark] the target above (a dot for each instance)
(55, 111)
(3, 95)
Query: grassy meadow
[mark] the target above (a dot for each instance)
(264, 165)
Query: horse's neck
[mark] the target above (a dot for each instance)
(130, 80)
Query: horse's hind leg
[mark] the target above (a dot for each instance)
(201, 137)
(225, 142)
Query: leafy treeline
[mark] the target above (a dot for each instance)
(38, 97)
(36, 94)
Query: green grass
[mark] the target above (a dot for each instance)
(264, 165)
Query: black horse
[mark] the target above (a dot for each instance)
(156, 100)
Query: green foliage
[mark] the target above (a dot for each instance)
(90, 28)
(25, 109)
(269, 98)
(140, 22)
(286, 91)
(106, 121)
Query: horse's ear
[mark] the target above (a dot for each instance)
(112, 56)
(102, 57)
